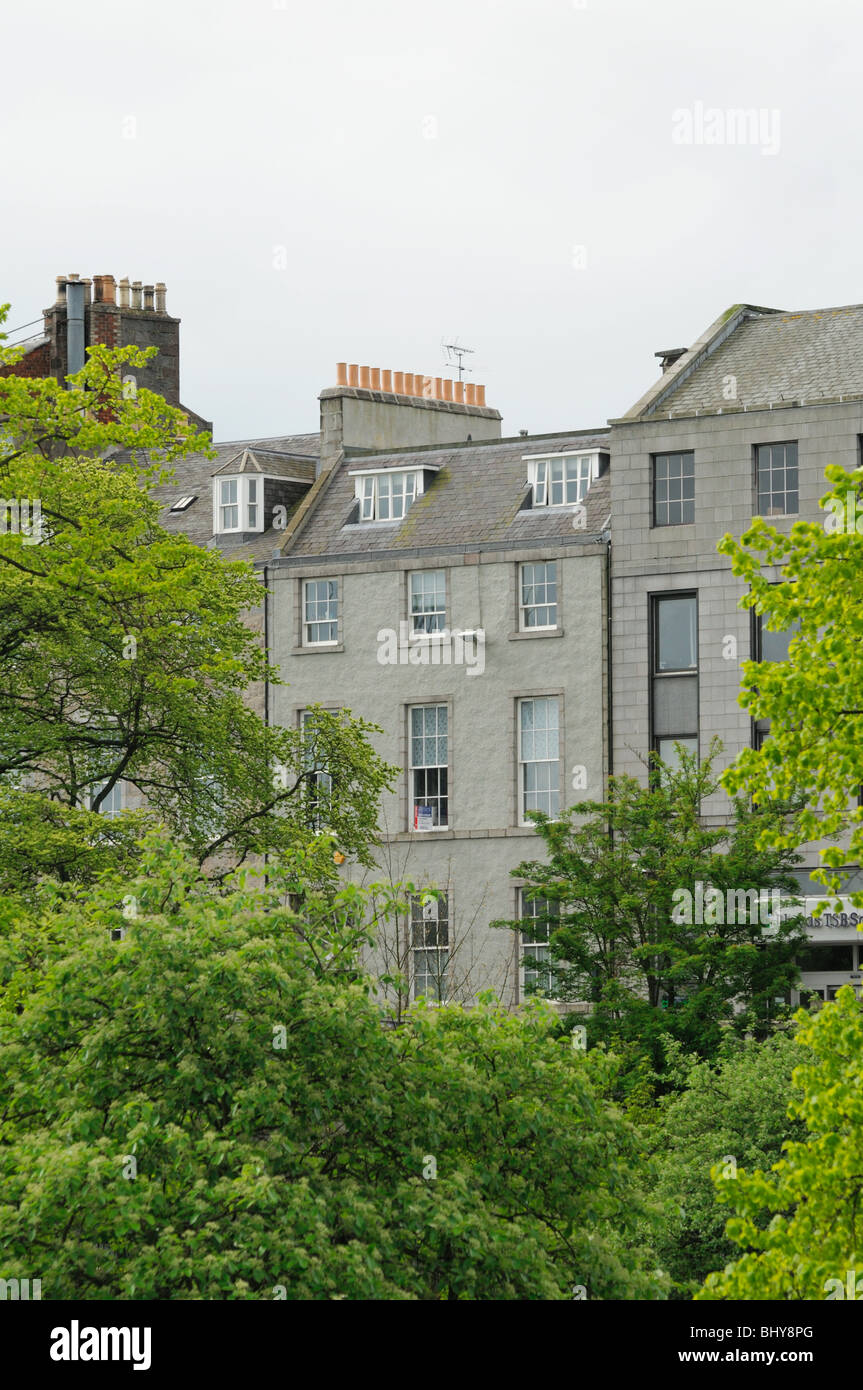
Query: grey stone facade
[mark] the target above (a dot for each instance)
(756, 377)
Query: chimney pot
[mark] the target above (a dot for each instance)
(365, 378)
(136, 294)
(386, 380)
(480, 395)
(438, 388)
(428, 387)
(376, 378)
(123, 293)
(459, 391)
(471, 393)
(103, 289)
(399, 383)
(161, 291)
(61, 289)
(353, 374)
(341, 373)
(148, 297)
(447, 389)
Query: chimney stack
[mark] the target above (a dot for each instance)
(668, 357)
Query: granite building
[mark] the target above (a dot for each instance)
(741, 424)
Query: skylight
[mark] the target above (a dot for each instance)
(183, 503)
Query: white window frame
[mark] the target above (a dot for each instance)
(308, 623)
(568, 474)
(430, 922)
(534, 946)
(424, 767)
(320, 776)
(376, 492)
(114, 803)
(553, 790)
(436, 615)
(246, 498)
(525, 608)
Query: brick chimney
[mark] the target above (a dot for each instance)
(109, 320)
(115, 315)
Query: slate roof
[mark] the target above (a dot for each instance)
(284, 455)
(270, 463)
(475, 499)
(776, 358)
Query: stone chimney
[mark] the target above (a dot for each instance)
(377, 408)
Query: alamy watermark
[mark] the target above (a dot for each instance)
(20, 1289)
(449, 647)
(709, 906)
(844, 516)
(17, 518)
(711, 125)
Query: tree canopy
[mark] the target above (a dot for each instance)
(662, 921)
(126, 653)
(800, 1219)
(213, 1106)
(808, 582)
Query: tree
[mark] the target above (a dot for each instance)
(660, 921)
(213, 1107)
(731, 1112)
(810, 1247)
(125, 655)
(812, 699)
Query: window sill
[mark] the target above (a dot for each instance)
(536, 632)
(318, 649)
(556, 506)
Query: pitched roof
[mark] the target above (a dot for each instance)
(270, 463)
(194, 477)
(755, 358)
(476, 498)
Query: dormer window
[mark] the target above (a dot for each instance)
(560, 480)
(386, 496)
(237, 504)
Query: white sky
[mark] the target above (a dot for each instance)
(430, 170)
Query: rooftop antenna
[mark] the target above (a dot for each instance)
(455, 354)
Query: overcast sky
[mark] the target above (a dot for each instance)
(339, 180)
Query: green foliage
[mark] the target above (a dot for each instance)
(126, 654)
(215, 1108)
(616, 870)
(800, 1220)
(732, 1111)
(813, 698)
